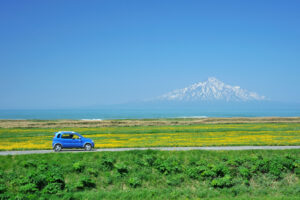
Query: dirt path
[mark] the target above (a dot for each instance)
(233, 148)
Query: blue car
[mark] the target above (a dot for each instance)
(70, 139)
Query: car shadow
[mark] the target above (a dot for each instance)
(77, 150)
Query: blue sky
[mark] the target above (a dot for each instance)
(60, 54)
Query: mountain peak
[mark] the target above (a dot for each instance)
(210, 90)
(213, 79)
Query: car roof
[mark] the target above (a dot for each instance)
(65, 132)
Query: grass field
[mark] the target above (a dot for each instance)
(152, 175)
(133, 134)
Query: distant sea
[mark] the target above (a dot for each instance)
(145, 113)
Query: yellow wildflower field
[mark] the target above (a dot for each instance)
(156, 136)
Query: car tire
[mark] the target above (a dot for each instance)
(57, 148)
(88, 147)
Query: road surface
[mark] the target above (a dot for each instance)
(224, 148)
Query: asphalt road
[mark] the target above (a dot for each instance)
(224, 148)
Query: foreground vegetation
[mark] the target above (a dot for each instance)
(28, 136)
(152, 175)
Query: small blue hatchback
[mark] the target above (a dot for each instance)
(70, 139)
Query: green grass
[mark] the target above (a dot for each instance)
(152, 175)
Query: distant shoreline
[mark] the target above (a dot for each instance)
(12, 123)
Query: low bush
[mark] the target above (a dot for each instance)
(107, 163)
(92, 172)
(175, 180)
(84, 183)
(244, 172)
(52, 188)
(297, 172)
(220, 170)
(28, 163)
(168, 166)
(208, 173)
(2, 188)
(28, 188)
(122, 168)
(78, 167)
(196, 172)
(149, 160)
(134, 182)
(222, 182)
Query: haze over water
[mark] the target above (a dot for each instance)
(143, 113)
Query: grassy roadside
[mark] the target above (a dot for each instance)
(153, 175)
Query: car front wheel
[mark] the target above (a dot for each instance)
(57, 148)
(88, 147)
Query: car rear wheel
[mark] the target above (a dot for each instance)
(88, 147)
(57, 148)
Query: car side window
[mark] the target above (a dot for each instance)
(75, 137)
(58, 136)
(67, 136)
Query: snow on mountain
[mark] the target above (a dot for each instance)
(210, 90)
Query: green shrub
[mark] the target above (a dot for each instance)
(48, 179)
(85, 182)
(78, 167)
(134, 182)
(56, 178)
(208, 173)
(108, 180)
(195, 172)
(192, 172)
(244, 172)
(261, 165)
(92, 172)
(175, 180)
(68, 196)
(234, 162)
(288, 162)
(1, 174)
(149, 160)
(297, 172)
(28, 188)
(40, 180)
(28, 163)
(220, 170)
(107, 163)
(222, 182)
(139, 161)
(43, 166)
(122, 168)
(5, 196)
(52, 188)
(276, 169)
(2, 188)
(88, 182)
(168, 166)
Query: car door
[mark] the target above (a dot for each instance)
(66, 140)
(76, 141)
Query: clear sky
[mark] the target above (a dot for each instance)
(60, 54)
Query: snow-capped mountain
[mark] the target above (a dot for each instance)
(210, 90)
